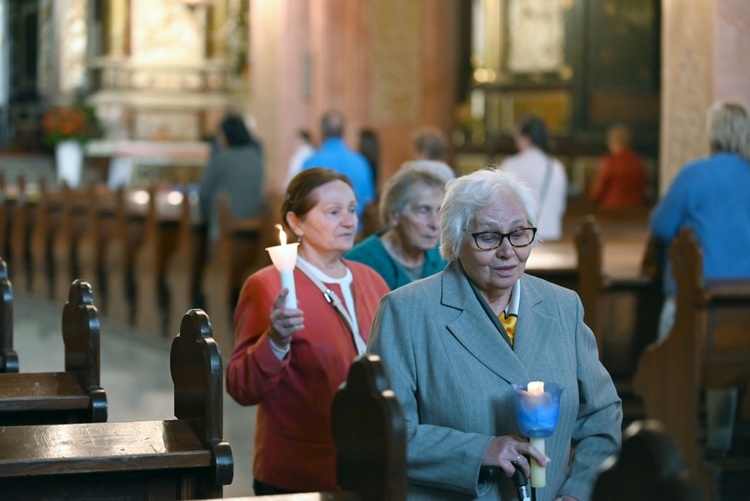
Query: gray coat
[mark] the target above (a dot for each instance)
(452, 372)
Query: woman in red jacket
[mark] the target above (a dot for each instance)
(291, 362)
(621, 179)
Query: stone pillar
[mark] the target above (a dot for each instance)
(704, 59)
(387, 65)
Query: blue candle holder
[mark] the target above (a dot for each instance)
(537, 415)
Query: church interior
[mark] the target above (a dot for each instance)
(109, 111)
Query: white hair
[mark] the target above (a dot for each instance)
(466, 194)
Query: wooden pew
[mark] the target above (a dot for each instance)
(88, 246)
(238, 251)
(8, 356)
(63, 245)
(182, 458)
(621, 303)
(181, 270)
(62, 397)
(4, 214)
(147, 270)
(40, 244)
(117, 263)
(18, 238)
(369, 429)
(708, 347)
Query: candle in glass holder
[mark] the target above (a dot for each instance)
(284, 258)
(537, 412)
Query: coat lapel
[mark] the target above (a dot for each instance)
(475, 331)
(535, 322)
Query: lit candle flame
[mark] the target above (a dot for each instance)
(282, 234)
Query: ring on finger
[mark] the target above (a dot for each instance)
(518, 458)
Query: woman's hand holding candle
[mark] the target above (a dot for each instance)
(508, 450)
(284, 321)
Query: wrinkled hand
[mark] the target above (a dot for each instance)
(508, 450)
(284, 321)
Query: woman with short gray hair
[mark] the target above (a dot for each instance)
(455, 344)
(407, 249)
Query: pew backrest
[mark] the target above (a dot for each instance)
(8, 356)
(621, 305)
(708, 347)
(369, 429)
(74, 395)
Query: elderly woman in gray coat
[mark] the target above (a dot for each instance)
(456, 342)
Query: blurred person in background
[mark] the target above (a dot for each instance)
(621, 176)
(407, 249)
(545, 174)
(236, 168)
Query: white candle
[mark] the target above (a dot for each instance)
(538, 473)
(535, 387)
(284, 258)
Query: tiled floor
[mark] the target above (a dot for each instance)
(134, 372)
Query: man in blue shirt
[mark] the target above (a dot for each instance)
(335, 155)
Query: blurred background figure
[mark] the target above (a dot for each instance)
(303, 149)
(237, 168)
(648, 468)
(539, 169)
(334, 154)
(440, 169)
(621, 177)
(407, 249)
(709, 196)
(369, 147)
(429, 143)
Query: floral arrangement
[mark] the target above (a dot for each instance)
(64, 123)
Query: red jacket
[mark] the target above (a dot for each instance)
(294, 447)
(620, 181)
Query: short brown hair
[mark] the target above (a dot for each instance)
(299, 198)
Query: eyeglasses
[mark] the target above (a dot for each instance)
(491, 240)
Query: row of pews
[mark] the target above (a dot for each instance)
(145, 252)
(56, 443)
(619, 277)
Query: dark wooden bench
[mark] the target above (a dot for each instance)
(18, 238)
(369, 429)
(72, 396)
(182, 458)
(8, 356)
(40, 240)
(621, 303)
(117, 262)
(708, 347)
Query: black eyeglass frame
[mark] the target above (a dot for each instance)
(503, 236)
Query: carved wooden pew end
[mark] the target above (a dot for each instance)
(72, 396)
(184, 458)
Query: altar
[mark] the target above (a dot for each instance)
(145, 163)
